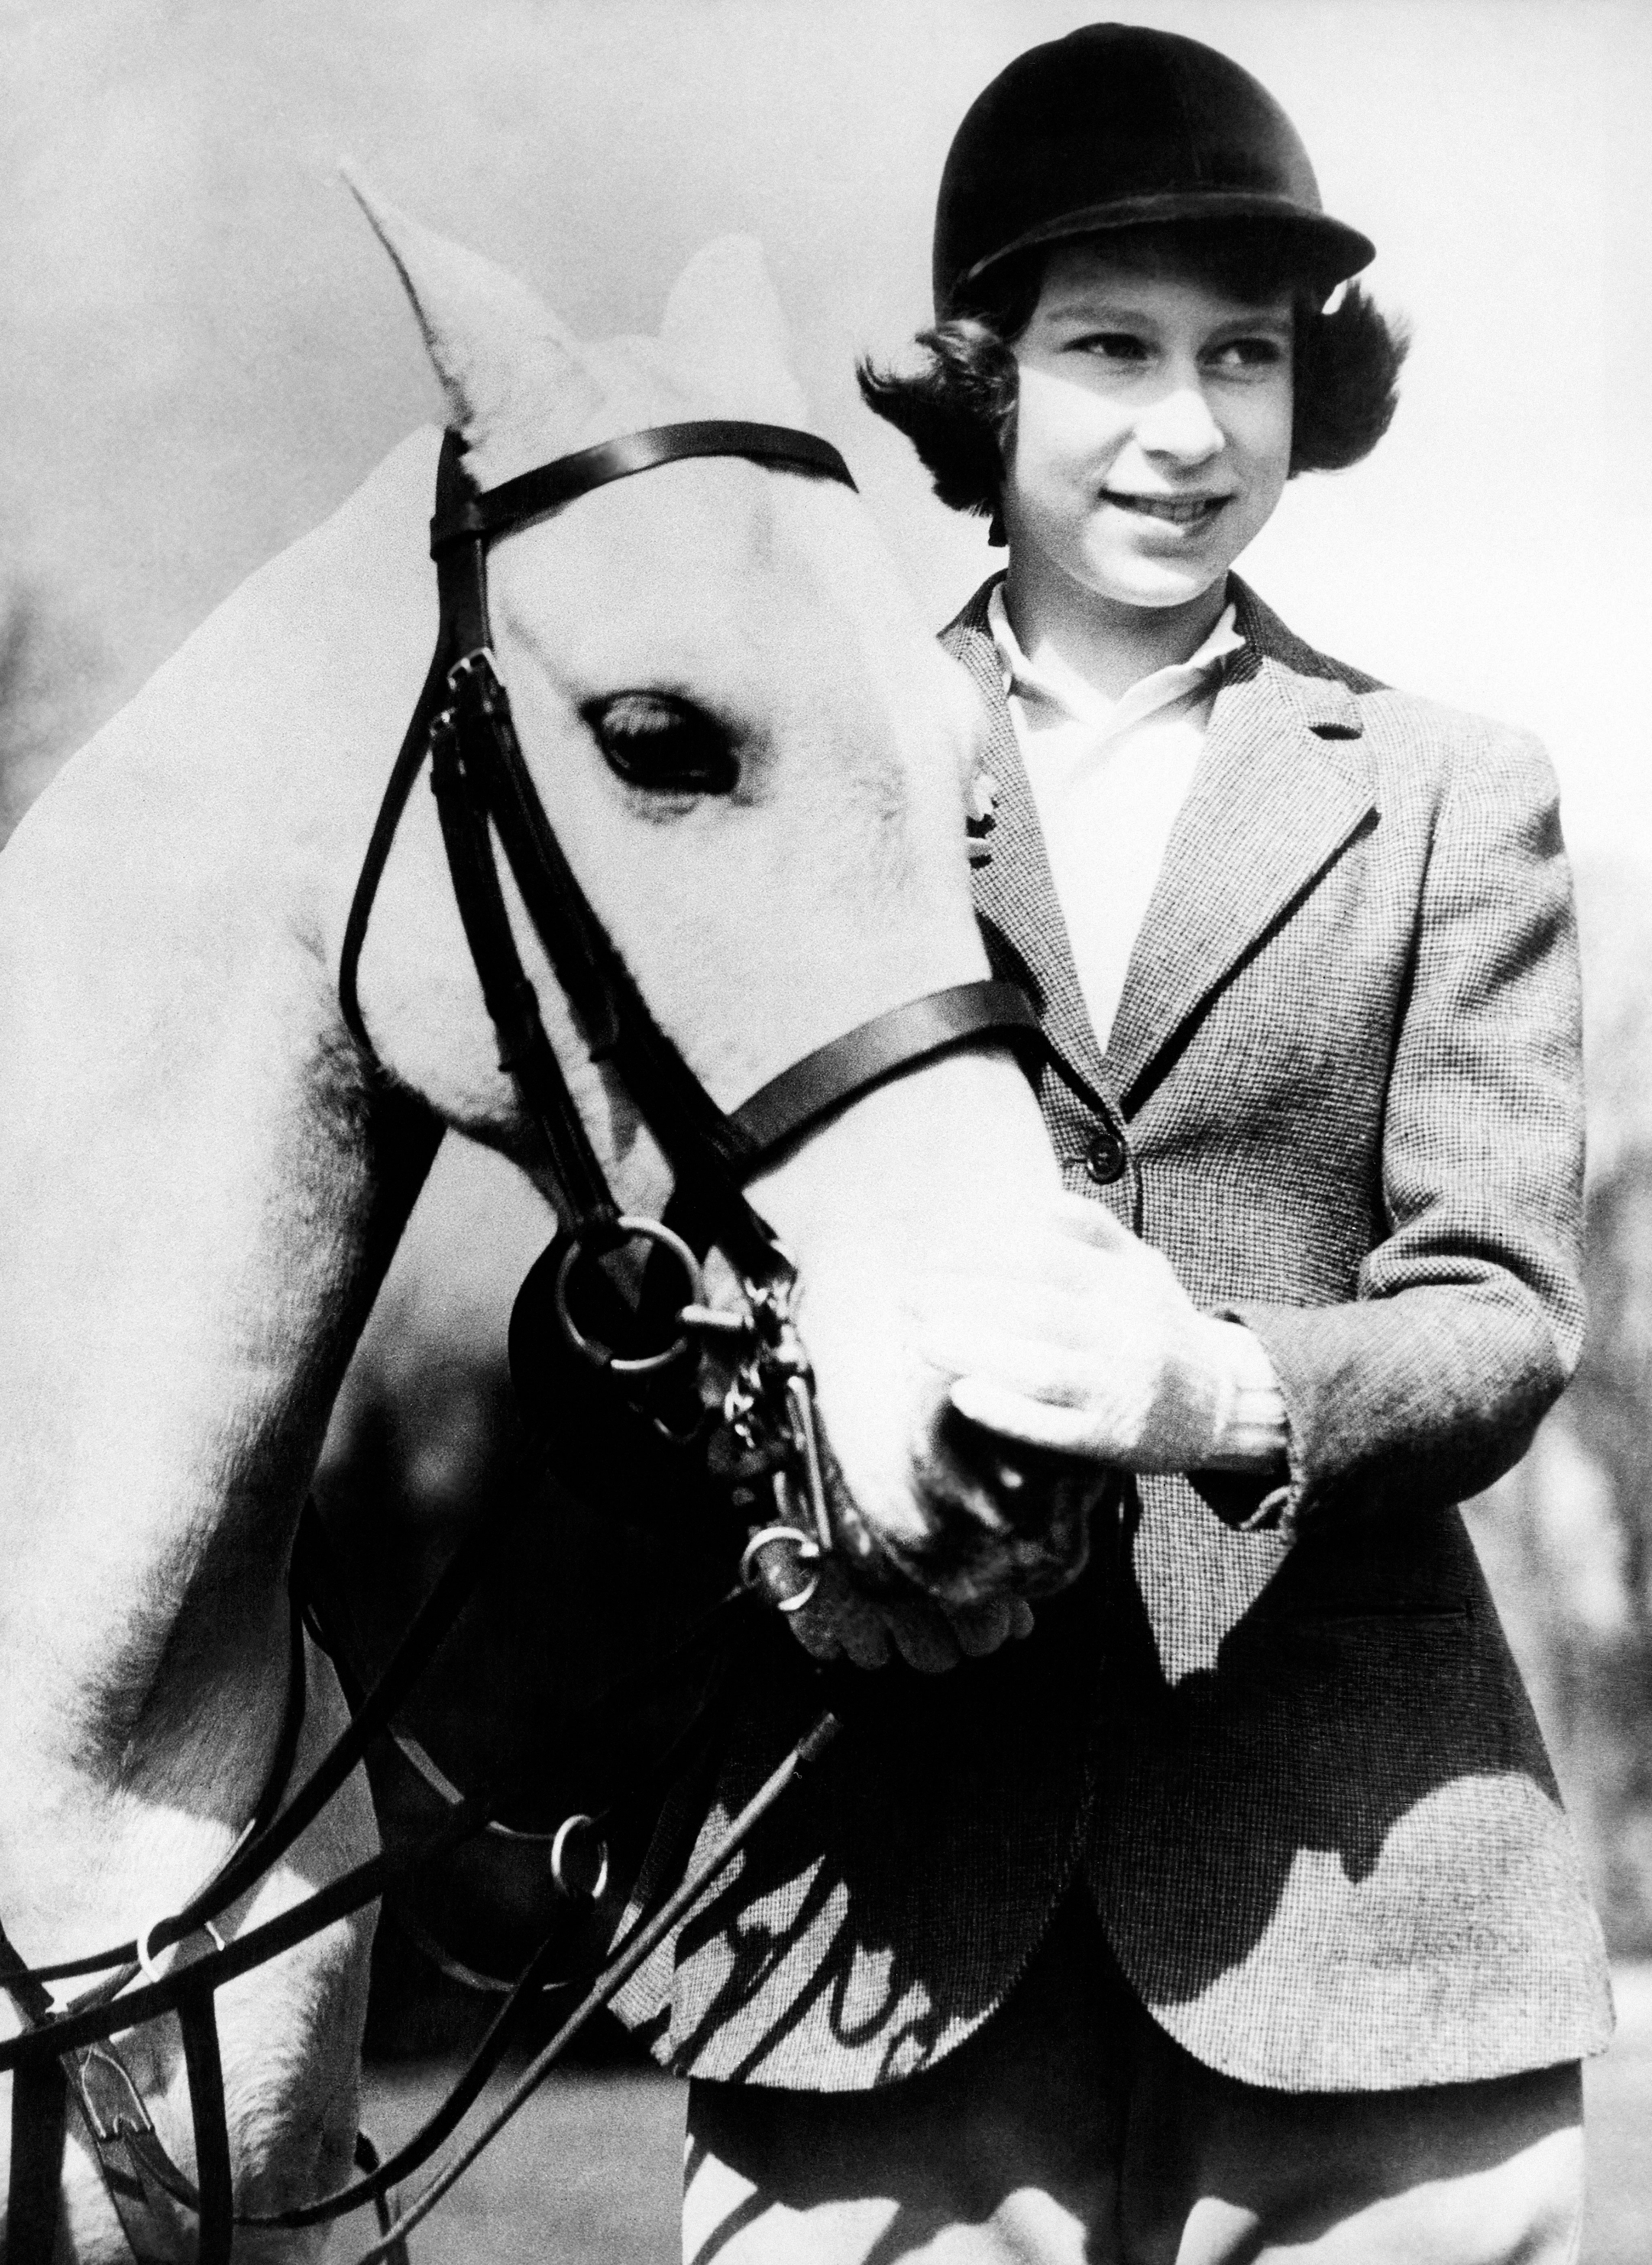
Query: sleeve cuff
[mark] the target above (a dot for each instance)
(1250, 1427)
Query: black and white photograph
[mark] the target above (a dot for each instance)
(826, 1132)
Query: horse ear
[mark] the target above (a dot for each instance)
(724, 331)
(501, 355)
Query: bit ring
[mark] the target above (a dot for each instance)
(809, 1553)
(559, 1853)
(632, 1228)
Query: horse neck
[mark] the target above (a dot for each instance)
(209, 1199)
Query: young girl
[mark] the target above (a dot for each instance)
(1232, 1915)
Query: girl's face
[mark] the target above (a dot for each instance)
(1151, 432)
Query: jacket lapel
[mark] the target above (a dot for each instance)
(1015, 901)
(1281, 788)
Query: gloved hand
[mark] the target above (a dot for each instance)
(1094, 1349)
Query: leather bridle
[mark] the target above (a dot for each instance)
(485, 791)
(462, 726)
(483, 786)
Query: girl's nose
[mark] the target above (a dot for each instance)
(1180, 423)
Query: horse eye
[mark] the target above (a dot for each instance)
(651, 740)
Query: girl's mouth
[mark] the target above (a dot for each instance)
(1173, 511)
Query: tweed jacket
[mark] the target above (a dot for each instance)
(1275, 1734)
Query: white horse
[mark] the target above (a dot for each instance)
(200, 1196)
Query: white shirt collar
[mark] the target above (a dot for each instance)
(1066, 698)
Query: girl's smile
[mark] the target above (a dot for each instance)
(1151, 442)
(1174, 511)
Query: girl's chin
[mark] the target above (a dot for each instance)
(1155, 590)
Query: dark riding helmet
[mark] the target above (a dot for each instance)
(1115, 126)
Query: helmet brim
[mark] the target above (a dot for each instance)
(1332, 250)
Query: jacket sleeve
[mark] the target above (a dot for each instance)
(1468, 1317)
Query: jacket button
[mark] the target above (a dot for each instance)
(1105, 1158)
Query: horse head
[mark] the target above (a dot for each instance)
(755, 760)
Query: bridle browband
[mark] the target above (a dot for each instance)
(489, 512)
(462, 723)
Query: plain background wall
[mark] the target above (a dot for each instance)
(204, 348)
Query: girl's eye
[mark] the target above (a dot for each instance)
(1112, 346)
(1250, 353)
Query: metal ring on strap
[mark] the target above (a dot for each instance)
(559, 1856)
(809, 1553)
(149, 1958)
(632, 1228)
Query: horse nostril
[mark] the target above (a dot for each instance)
(1019, 1483)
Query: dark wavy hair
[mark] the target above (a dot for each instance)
(957, 405)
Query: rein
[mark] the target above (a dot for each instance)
(766, 1429)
